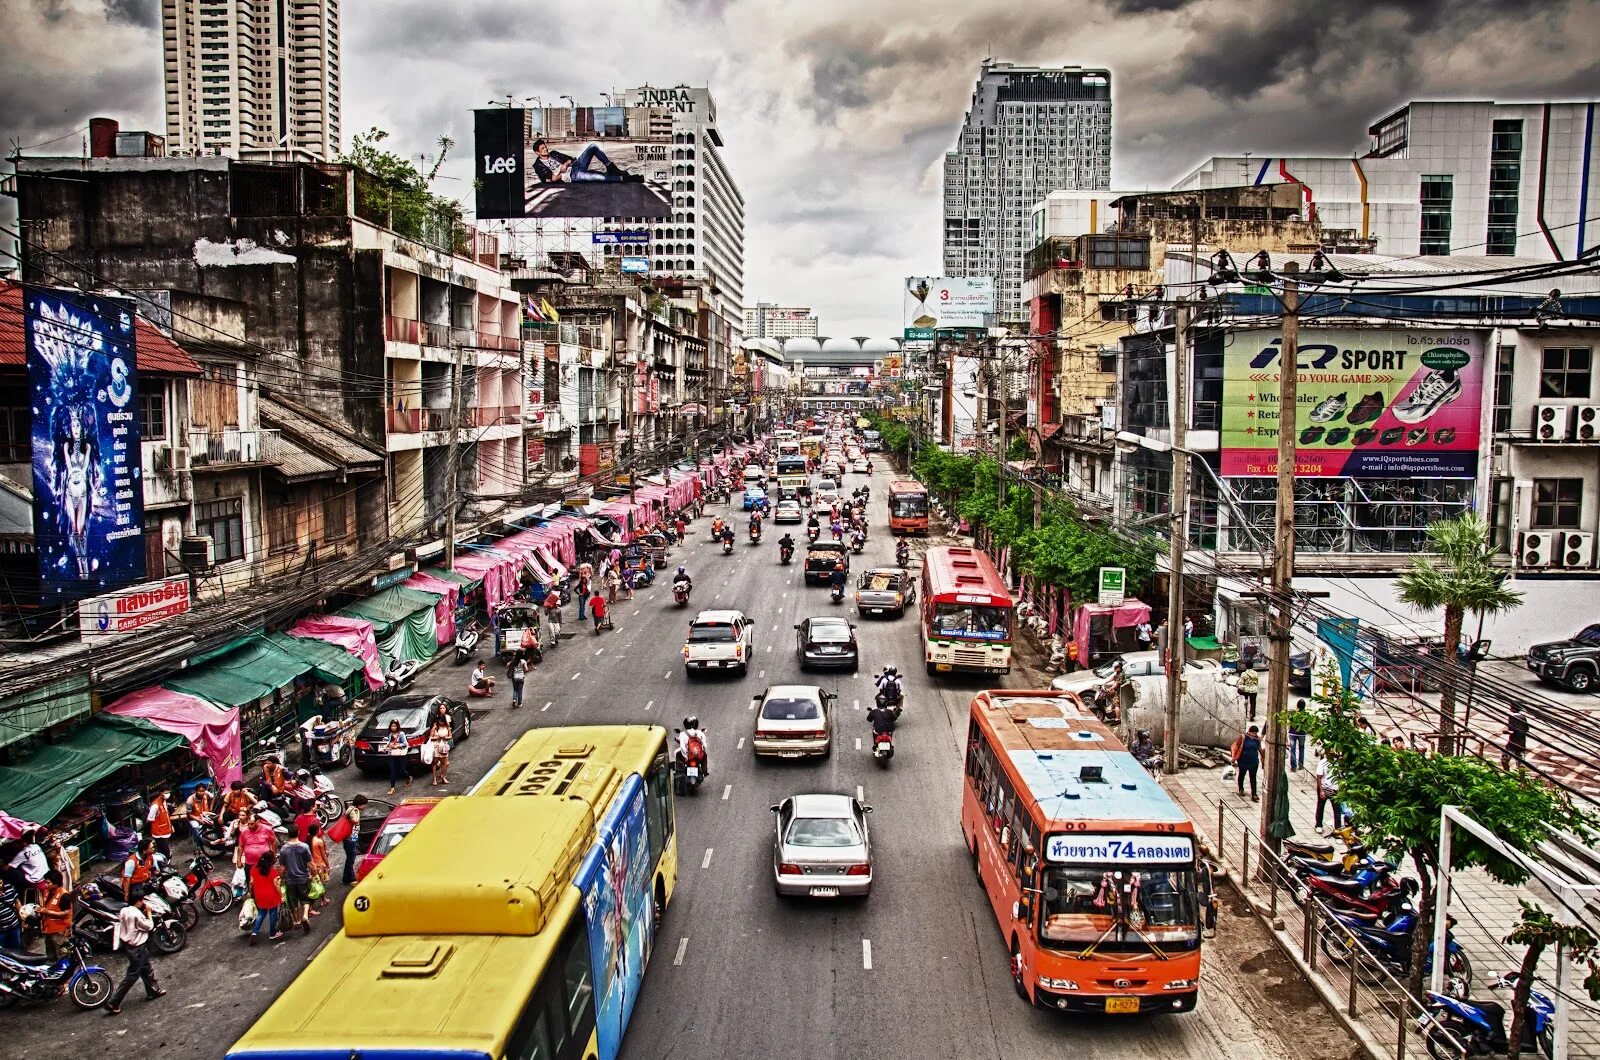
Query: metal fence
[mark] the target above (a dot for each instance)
(1367, 990)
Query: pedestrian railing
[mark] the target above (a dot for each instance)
(1364, 988)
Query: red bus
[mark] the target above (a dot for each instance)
(908, 508)
(967, 614)
(1087, 862)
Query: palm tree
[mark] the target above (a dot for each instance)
(1458, 576)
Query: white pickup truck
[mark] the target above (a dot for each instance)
(719, 640)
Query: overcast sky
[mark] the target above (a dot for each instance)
(836, 113)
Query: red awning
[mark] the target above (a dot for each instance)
(156, 353)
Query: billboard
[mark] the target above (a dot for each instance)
(129, 610)
(88, 488)
(570, 162)
(635, 265)
(934, 302)
(615, 883)
(1371, 403)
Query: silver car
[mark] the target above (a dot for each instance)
(793, 721)
(821, 847)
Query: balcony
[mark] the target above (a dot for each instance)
(402, 329)
(495, 415)
(230, 445)
(405, 421)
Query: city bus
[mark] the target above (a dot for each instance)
(1087, 862)
(908, 507)
(514, 922)
(967, 614)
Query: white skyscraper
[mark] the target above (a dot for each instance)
(767, 321)
(1030, 130)
(252, 78)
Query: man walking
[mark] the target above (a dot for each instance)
(1297, 741)
(1247, 760)
(1249, 688)
(1516, 738)
(352, 839)
(132, 937)
(1327, 792)
(295, 857)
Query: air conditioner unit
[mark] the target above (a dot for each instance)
(1577, 549)
(1550, 422)
(196, 552)
(180, 458)
(1586, 423)
(162, 455)
(1538, 548)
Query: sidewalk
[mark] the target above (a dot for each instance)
(1484, 910)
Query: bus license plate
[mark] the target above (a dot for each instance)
(1122, 1004)
(824, 892)
(942, 667)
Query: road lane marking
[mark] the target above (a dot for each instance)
(774, 629)
(858, 743)
(574, 677)
(740, 747)
(667, 676)
(636, 611)
(510, 742)
(866, 954)
(597, 651)
(683, 944)
(861, 794)
(726, 791)
(197, 1004)
(763, 673)
(705, 862)
(649, 704)
(546, 705)
(769, 647)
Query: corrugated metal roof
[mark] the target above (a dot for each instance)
(308, 431)
(293, 462)
(155, 351)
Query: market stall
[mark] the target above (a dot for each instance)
(444, 613)
(403, 621)
(330, 664)
(1101, 631)
(212, 731)
(272, 689)
(352, 635)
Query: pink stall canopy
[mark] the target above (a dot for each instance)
(354, 635)
(656, 497)
(498, 574)
(1129, 613)
(212, 731)
(444, 612)
(623, 512)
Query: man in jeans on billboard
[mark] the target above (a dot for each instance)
(553, 167)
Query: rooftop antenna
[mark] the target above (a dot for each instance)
(1244, 169)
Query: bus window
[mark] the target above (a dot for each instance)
(972, 620)
(1082, 901)
(658, 806)
(531, 1039)
(578, 986)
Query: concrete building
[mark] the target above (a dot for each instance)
(768, 321)
(252, 78)
(1030, 130)
(1487, 178)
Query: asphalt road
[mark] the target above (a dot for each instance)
(916, 970)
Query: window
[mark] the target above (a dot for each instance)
(1505, 182)
(281, 525)
(1564, 372)
(223, 522)
(16, 443)
(334, 526)
(1557, 503)
(1436, 195)
(1504, 366)
(153, 413)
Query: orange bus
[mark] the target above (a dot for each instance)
(908, 508)
(1088, 864)
(968, 617)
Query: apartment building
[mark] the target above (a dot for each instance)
(765, 320)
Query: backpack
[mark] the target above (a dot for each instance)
(695, 750)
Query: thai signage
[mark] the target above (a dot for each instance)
(132, 609)
(1119, 849)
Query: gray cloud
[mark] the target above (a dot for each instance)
(134, 12)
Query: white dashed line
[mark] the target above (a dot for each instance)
(667, 676)
(510, 742)
(597, 651)
(763, 673)
(683, 944)
(726, 791)
(705, 862)
(546, 705)
(857, 704)
(866, 954)
(636, 611)
(740, 747)
(649, 704)
(861, 794)
(769, 647)
(858, 743)
(574, 677)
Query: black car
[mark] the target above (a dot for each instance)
(820, 560)
(827, 641)
(413, 714)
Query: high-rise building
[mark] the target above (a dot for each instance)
(1475, 178)
(1030, 130)
(252, 78)
(767, 321)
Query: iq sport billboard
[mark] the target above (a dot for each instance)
(1371, 403)
(571, 162)
(88, 487)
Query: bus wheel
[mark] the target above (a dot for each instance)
(932, 669)
(659, 908)
(1016, 972)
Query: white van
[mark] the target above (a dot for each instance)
(754, 476)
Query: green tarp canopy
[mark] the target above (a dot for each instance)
(1205, 643)
(28, 713)
(449, 576)
(331, 663)
(47, 781)
(402, 622)
(254, 669)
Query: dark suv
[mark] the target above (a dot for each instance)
(1573, 663)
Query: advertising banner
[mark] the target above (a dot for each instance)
(615, 883)
(88, 486)
(571, 162)
(934, 302)
(131, 609)
(640, 236)
(635, 265)
(1372, 403)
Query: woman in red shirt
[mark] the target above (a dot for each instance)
(264, 892)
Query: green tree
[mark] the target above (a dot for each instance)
(1538, 931)
(1461, 578)
(398, 192)
(1397, 797)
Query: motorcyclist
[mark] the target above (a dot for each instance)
(727, 535)
(1143, 747)
(858, 539)
(837, 578)
(690, 734)
(882, 719)
(890, 689)
(755, 521)
(681, 577)
(716, 528)
(902, 554)
(786, 545)
(813, 528)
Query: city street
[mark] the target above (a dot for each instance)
(916, 970)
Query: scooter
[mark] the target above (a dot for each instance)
(39, 979)
(1387, 939)
(399, 676)
(467, 638)
(785, 554)
(812, 533)
(213, 893)
(858, 545)
(1365, 892)
(680, 593)
(691, 773)
(95, 915)
(902, 556)
(883, 748)
(727, 546)
(837, 595)
(894, 698)
(1451, 1026)
(755, 535)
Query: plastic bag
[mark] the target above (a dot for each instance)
(238, 881)
(340, 830)
(247, 914)
(316, 890)
(426, 753)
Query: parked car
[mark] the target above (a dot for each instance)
(401, 820)
(1573, 663)
(413, 712)
(821, 847)
(793, 721)
(827, 641)
(719, 640)
(885, 591)
(788, 511)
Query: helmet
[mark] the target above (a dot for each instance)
(691, 722)
(681, 569)
(303, 775)
(891, 671)
(1144, 734)
(91, 891)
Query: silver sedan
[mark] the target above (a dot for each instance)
(821, 847)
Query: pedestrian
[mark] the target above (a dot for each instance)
(629, 576)
(552, 615)
(1188, 627)
(321, 871)
(1247, 760)
(439, 734)
(132, 938)
(1143, 633)
(1160, 640)
(613, 584)
(55, 915)
(265, 893)
(583, 596)
(1297, 740)
(1516, 738)
(352, 837)
(295, 861)
(10, 916)
(1365, 726)
(1072, 656)
(303, 822)
(159, 817)
(597, 607)
(29, 864)
(397, 749)
(200, 809)
(1327, 790)
(518, 673)
(1249, 688)
(255, 838)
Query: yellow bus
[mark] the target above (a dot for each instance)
(514, 923)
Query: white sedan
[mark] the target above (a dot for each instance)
(821, 847)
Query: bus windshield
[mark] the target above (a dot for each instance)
(908, 504)
(791, 465)
(1118, 909)
(975, 621)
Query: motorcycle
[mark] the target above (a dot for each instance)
(883, 748)
(1152, 762)
(325, 802)
(1365, 892)
(1388, 940)
(902, 556)
(213, 893)
(1452, 1026)
(755, 535)
(680, 593)
(40, 979)
(727, 546)
(812, 533)
(691, 771)
(467, 638)
(399, 676)
(837, 595)
(95, 916)
(858, 545)
(893, 697)
(785, 554)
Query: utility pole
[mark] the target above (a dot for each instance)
(454, 461)
(1281, 619)
(1180, 537)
